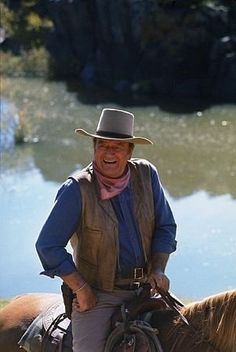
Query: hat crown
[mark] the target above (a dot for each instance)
(115, 122)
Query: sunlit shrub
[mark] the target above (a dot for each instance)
(33, 62)
(34, 22)
(7, 20)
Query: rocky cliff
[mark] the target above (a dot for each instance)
(146, 48)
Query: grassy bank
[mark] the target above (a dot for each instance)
(3, 302)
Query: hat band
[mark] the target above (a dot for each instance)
(113, 134)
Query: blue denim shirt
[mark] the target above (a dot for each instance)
(65, 217)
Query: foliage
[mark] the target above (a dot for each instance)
(25, 31)
(33, 62)
(7, 20)
(24, 25)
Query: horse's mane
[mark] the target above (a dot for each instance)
(212, 325)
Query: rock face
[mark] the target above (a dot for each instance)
(146, 47)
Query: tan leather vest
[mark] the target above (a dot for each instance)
(95, 243)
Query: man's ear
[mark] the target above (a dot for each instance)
(131, 148)
(131, 145)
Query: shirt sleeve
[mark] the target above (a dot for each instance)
(165, 226)
(60, 225)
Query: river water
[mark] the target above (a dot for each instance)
(194, 152)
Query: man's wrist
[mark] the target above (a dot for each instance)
(75, 281)
(159, 262)
(80, 288)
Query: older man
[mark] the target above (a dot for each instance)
(120, 226)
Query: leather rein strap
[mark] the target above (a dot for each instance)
(173, 303)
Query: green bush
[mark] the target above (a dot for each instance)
(33, 62)
(7, 20)
(26, 31)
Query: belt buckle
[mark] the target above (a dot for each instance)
(138, 274)
(135, 285)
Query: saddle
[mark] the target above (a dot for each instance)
(51, 330)
(57, 331)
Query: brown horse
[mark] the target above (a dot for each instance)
(212, 323)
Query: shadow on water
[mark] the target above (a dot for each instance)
(166, 103)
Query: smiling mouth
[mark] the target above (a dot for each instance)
(109, 162)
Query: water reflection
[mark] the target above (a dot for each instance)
(191, 153)
(195, 155)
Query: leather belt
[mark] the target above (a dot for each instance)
(137, 280)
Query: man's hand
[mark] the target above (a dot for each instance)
(85, 299)
(157, 277)
(157, 280)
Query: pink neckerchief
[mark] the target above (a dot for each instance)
(110, 187)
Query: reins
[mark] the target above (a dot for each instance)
(126, 335)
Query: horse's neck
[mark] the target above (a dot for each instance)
(164, 322)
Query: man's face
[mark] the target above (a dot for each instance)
(111, 156)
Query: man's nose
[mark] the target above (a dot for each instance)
(110, 150)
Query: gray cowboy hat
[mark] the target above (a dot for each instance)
(117, 125)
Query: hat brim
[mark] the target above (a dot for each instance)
(135, 140)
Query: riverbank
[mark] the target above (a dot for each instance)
(3, 302)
